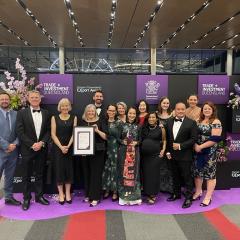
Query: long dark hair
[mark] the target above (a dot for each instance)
(147, 106)
(159, 108)
(136, 119)
(145, 129)
(113, 105)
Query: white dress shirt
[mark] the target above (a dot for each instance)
(176, 127)
(37, 120)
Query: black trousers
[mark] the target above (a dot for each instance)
(92, 171)
(182, 170)
(33, 165)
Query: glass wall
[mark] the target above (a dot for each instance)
(130, 61)
(191, 61)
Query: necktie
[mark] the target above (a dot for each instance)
(177, 120)
(8, 121)
(34, 110)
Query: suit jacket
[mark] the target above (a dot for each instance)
(187, 137)
(26, 131)
(6, 136)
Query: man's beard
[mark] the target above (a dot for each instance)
(5, 107)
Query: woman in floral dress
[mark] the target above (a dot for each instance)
(210, 130)
(128, 182)
(110, 169)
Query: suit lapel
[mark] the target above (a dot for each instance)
(181, 128)
(171, 122)
(31, 120)
(43, 121)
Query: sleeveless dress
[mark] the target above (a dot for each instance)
(63, 163)
(208, 170)
(166, 180)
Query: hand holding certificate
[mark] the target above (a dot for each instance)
(83, 140)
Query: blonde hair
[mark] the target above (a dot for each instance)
(86, 109)
(62, 102)
(123, 104)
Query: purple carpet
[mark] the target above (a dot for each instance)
(38, 211)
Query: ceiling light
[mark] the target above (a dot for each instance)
(34, 19)
(217, 27)
(74, 22)
(150, 20)
(188, 20)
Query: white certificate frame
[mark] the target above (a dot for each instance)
(83, 140)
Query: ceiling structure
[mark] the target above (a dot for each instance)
(173, 24)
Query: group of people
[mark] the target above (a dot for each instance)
(137, 151)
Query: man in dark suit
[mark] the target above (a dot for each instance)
(98, 102)
(8, 147)
(33, 130)
(182, 135)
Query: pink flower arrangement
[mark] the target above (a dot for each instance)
(223, 149)
(17, 88)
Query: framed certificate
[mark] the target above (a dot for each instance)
(83, 140)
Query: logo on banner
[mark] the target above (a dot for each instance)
(56, 87)
(152, 87)
(88, 89)
(236, 174)
(19, 179)
(234, 150)
(214, 88)
(237, 118)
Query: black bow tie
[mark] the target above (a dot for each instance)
(177, 120)
(34, 110)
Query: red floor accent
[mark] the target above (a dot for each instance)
(1, 218)
(86, 226)
(226, 228)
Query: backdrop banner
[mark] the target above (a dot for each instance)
(234, 154)
(214, 88)
(152, 87)
(55, 87)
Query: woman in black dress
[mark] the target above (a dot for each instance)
(62, 135)
(93, 164)
(152, 150)
(164, 113)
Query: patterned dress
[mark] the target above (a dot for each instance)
(128, 180)
(208, 170)
(110, 169)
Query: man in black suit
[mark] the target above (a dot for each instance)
(33, 130)
(182, 135)
(98, 102)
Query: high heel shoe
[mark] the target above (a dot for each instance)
(114, 197)
(69, 201)
(106, 195)
(204, 204)
(198, 197)
(61, 202)
(94, 203)
(86, 199)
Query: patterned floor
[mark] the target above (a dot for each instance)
(109, 221)
(220, 223)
